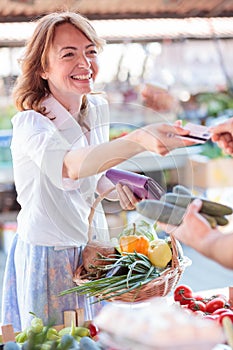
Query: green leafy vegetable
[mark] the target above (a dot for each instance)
(140, 228)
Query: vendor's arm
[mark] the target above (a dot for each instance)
(196, 232)
(158, 138)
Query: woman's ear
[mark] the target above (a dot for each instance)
(44, 75)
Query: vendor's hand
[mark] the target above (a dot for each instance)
(162, 138)
(126, 197)
(158, 98)
(193, 228)
(222, 134)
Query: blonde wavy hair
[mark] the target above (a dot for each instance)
(30, 89)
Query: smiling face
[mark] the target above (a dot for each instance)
(69, 70)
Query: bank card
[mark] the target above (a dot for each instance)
(198, 133)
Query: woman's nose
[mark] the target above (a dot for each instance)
(84, 61)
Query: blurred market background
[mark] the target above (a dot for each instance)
(164, 60)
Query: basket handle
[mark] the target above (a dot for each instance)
(175, 260)
(92, 212)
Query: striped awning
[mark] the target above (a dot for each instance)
(134, 30)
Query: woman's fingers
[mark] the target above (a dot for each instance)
(127, 199)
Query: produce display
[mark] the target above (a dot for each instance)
(140, 257)
(41, 337)
(206, 321)
(172, 206)
(157, 325)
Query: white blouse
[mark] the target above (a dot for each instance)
(54, 210)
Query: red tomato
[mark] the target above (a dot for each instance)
(222, 296)
(214, 304)
(226, 314)
(93, 329)
(183, 294)
(197, 305)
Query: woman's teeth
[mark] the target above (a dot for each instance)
(81, 77)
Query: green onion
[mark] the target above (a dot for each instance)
(141, 272)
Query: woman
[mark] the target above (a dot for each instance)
(60, 150)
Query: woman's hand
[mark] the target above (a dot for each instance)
(162, 138)
(126, 197)
(123, 194)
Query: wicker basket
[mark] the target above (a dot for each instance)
(158, 287)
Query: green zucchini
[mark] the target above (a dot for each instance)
(161, 211)
(211, 220)
(221, 220)
(179, 189)
(208, 207)
(169, 213)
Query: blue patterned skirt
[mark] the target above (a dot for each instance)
(34, 276)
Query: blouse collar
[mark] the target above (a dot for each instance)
(61, 118)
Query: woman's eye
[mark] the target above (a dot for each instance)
(68, 54)
(92, 52)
